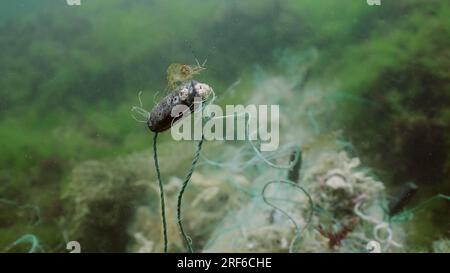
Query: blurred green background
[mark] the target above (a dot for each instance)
(69, 75)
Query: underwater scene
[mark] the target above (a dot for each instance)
(230, 126)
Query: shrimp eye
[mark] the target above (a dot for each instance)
(185, 69)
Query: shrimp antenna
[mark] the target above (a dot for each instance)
(193, 53)
(204, 62)
(139, 98)
(145, 115)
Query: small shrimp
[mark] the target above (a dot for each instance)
(180, 73)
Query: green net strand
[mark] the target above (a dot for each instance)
(408, 214)
(186, 238)
(31, 239)
(36, 220)
(298, 230)
(161, 191)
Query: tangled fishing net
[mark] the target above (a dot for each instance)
(330, 205)
(313, 194)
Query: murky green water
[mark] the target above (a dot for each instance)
(353, 82)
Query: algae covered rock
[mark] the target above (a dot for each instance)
(102, 197)
(441, 246)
